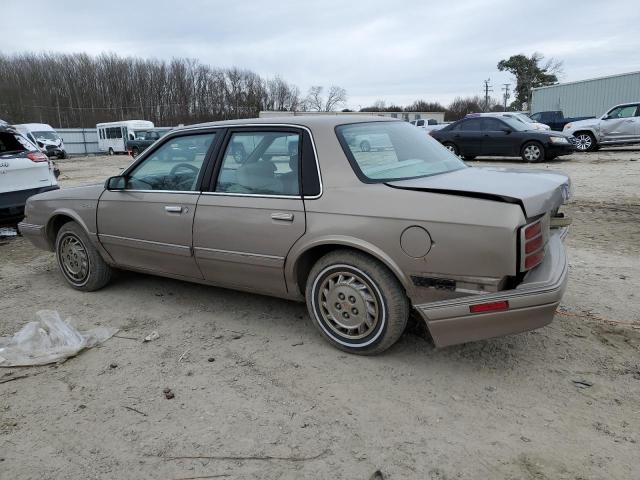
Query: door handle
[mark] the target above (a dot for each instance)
(173, 209)
(287, 217)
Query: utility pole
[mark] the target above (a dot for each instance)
(506, 95)
(487, 88)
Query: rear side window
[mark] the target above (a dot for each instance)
(14, 143)
(473, 124)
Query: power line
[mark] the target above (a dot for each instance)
(506, 95)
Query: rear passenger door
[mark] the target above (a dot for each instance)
(468, 137)
(253, 212)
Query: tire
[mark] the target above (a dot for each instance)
(349, 283)
(365, 146)
(63, 155)
(532, 152)
(585, 142)
(135, 152)
(80, 263)
(111, 152)
(451, 147)
(469, 157)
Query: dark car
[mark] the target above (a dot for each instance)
(143, 139)
(502, 137)
(556, 119)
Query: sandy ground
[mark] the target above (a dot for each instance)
(258, 393)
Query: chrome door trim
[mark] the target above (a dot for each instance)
(227, 194)
(170, 248)
(273, 261)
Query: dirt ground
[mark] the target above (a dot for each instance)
(259, 394)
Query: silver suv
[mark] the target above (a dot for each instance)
(619, 126)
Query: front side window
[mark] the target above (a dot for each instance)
(623, 112)
(394, 151)
(492, 124)
(261, 163)
(174, 166)
(471, 125)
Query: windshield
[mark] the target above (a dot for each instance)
(525, 118)
(516, 124)
(46, 135)
(385, 151)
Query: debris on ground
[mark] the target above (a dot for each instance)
(152, 336)
(582, 383)
(48, 340)
(168, 393)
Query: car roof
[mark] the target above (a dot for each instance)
(310, 121)
(36, 126)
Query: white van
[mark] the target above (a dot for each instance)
(45, 137)
(113, 136)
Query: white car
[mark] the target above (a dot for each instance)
(619, 126)
(24, 171)
(521, 117)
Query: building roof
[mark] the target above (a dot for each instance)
(587, 80)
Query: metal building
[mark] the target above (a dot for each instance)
(407, 116)
(587, 97)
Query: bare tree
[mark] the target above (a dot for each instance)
(314, 101)
(336, 97)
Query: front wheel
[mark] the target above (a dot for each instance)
(586, 142)
(80, 263)
(135, 152)
(357, 304)
(111, 152)
(532, 152)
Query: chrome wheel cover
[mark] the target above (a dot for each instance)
(348, 305)
(451, 148)
(532, 153)
(583, 142)
(73, 259)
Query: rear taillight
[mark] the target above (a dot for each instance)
(489, 307)
(532, 242)
(37, 157)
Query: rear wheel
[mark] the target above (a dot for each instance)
(451, 147)
(532, 152)
(365, 146)
(135, 152)
(80, 263)
(111, 152)
(585, 142)
(356, 302)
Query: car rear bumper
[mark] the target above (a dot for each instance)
(12, 203)
(531, 305)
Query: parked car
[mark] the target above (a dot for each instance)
(24, 171)
(555, 119)
(143, 139)
(429, 125)
(519, 116)
(363, 237)
(619, 126)
(477, 136)
(45, 137)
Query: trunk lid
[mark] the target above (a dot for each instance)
(536, 191)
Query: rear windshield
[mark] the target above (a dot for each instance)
(385, 151)
(14, 143)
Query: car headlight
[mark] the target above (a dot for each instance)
(567, 126)
(558, 140)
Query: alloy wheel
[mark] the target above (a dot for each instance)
(584, 142)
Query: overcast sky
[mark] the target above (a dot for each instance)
(393, 50)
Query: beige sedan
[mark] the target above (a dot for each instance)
(296, 208)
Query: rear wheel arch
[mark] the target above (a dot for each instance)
(305, 261)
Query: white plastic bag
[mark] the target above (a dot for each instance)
(48, 340)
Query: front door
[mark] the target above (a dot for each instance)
(620, 124)
(254, 213)
(147, 225)
(498, 138)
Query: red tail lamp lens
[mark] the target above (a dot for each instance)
(532, 230)
(489, 307)
(533, 259)
(533, 245)
(37, 157)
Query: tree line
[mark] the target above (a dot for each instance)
(78, 90)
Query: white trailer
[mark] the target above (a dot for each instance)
(113, 136)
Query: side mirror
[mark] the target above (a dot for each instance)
(115, 183)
